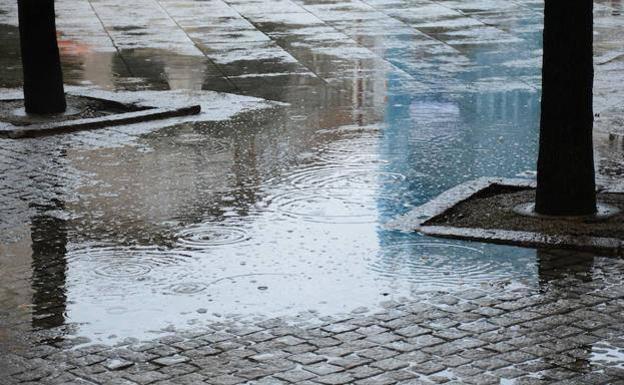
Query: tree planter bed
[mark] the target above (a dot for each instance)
(85, 112)
(483, 210)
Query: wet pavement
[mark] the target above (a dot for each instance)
(249, 244)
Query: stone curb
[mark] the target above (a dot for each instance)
(99, 122)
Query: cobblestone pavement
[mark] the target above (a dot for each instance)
(569, 331)
(246, 222)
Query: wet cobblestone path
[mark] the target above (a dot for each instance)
(247, 245)
(567, 332)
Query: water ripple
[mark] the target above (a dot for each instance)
(356, 151)
(339, 180)
(208, 144)
(324, 209)
(125, 262)
(123, 269)
(210, 235)
(437, 264)
(186, 288)
(233, 278)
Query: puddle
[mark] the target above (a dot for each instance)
(608, 354)
(259, 212)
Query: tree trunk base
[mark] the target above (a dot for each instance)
(603, 212)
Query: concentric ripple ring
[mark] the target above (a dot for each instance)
(210, 235)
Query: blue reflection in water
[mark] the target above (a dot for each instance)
(488, 126)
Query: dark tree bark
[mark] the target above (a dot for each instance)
(43, 78)
(565, 167)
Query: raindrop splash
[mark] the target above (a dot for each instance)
(209, 235)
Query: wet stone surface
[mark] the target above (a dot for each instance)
(247, 244)
(568, 330)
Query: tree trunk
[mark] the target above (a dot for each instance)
(43, 78)
(565, 167)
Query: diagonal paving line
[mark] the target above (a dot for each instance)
(459, 12)
(123, 60)
(220, 68)
(364, 2)
(276, 43)
(347, 38)
(229, 81)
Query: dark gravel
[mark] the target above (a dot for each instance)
(493, 209)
